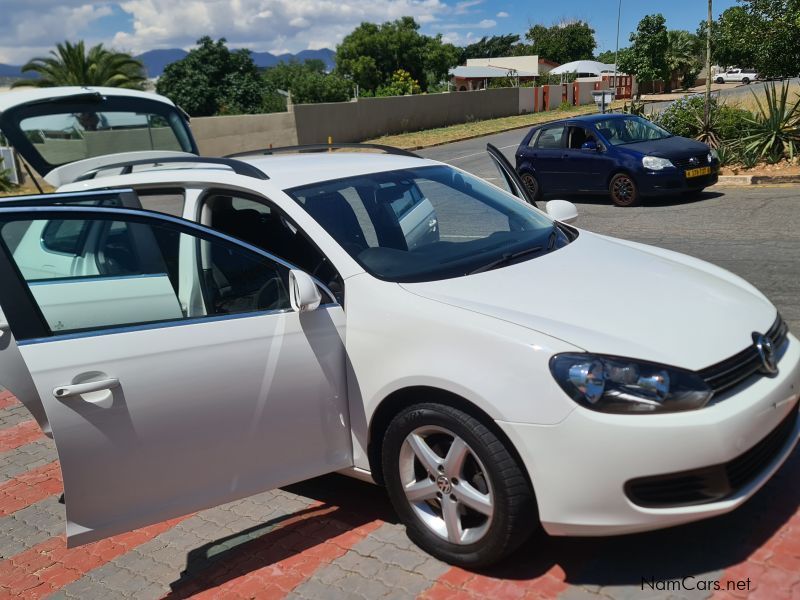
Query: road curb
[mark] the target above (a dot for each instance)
(743, 180)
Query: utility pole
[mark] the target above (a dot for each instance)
(708, 68)
(616, 51)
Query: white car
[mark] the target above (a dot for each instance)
(736, 76)
(492, 366)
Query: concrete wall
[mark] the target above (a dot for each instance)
(218, 136)
(370, 118)
(373, 117)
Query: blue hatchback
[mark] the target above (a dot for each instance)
(624, 155)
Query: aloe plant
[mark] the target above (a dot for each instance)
(775, 128)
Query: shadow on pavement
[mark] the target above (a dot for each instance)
(603, 199)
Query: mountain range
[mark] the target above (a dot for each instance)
(155, 60)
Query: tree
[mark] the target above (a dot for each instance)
(402, 84)
(489, 47)
(213, 80)
(562, 42)
(70, 64)
(647, 56)
(371, 54)
(308, 82)
(607, 56)
(684, 56)
(763, 34)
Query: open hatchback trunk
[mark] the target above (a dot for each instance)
(65, 132)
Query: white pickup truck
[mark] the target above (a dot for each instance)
(736, 76)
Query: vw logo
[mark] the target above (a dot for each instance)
(443, 483)
(766, 352)
(693, 161)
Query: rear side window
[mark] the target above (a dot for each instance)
(65, 237)
(550, 138)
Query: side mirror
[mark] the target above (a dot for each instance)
(561, 210)
(590, 146)
(303, 292)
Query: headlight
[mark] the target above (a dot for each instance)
(655, 163)
(712, 155)
(621, 385)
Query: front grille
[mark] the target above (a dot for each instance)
(711, 484)
(741, 366)
(685, 163)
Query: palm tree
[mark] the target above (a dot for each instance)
(682, 55)
(70, 64)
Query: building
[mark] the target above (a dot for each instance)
(479, 72)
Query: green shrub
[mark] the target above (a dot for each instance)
(681, 117)
(6, 185)
(775, 128)
(733, 123)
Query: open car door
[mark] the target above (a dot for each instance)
(186, 380)
(511, 181)
(63, 132)
(14, 376)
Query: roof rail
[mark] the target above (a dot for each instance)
(325, 147)
(237, 166)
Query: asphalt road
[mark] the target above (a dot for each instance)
(752, 231)
(730, 91)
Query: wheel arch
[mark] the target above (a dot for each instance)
(401, 398)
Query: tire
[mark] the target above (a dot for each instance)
(532, 184)
(483, 474)
(623, 190)
(746, 80)
(720, 80)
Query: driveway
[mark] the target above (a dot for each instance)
(333, 537)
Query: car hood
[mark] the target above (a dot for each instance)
(671, 147)
(620, 298)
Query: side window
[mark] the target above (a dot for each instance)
(578, 136)
(258, 222)
(167, 201)
(64, 237)
(550, 138)
(138, 271)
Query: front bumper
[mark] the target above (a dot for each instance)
(579, 468)
(674, 181)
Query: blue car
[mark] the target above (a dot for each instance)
(623, 155)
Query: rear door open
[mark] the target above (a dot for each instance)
(64, 132)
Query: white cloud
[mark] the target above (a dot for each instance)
(484, 24)
(261, 24)
(502, 14)
(32, 27)
(29, 29)
(465, 6)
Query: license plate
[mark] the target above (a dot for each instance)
(698, 172)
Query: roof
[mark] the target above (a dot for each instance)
(293, 170)
(583, 66)
(593, 118)
(24, 95)
(488, 72)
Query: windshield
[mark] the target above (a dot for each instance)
(427, 223)
(630, 130)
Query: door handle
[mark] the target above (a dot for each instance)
(69, 391)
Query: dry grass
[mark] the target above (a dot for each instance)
(453, 133)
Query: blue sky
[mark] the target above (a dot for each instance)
(30, 28)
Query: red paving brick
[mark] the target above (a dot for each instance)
(49, 566)
(458, 583)
(30, 487)
(7, 400)
(19, 435)
(275, 563)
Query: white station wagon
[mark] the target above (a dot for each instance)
(379, 314)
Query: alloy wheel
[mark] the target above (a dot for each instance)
(623, 190)
(446, 485)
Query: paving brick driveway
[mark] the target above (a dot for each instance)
(334, 537)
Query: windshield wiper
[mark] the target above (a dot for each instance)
(506, 258)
